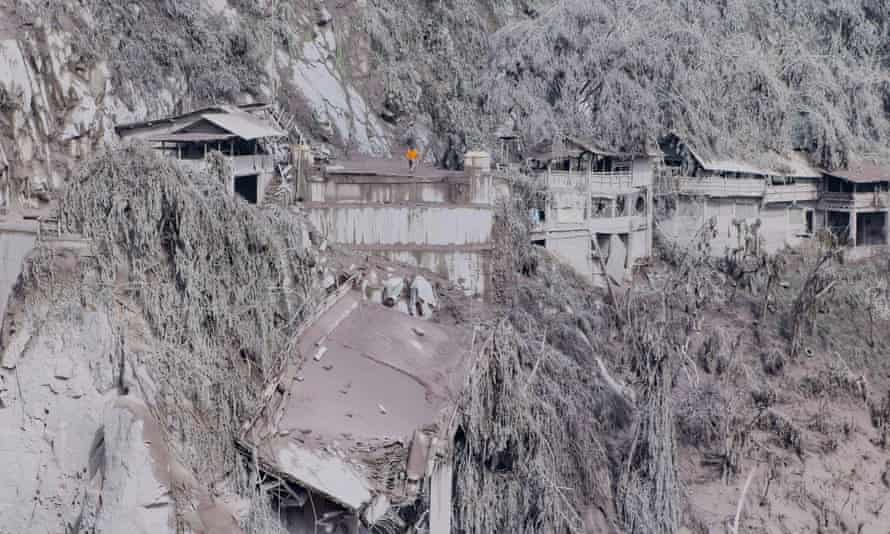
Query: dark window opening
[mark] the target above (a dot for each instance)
(620, 205)
(540, 243)
(871, 229)
(838, 223)
(809, 222)
(247, 187)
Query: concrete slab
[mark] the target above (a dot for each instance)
(378, 378)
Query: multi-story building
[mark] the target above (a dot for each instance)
(854, 203)
(242, 134)
(736, 194)
(597, 206)
(791, 199)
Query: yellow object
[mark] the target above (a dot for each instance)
(413, 155)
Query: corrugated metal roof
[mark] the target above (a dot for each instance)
(244, 125)
(177, 118)
(191, 137)
(863, 172)
(794, 164)
(548, 150)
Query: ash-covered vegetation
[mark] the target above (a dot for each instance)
(733, 78)
(221, 286)
(647, 409)
(152, 46)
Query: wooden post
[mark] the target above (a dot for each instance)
(852, 225)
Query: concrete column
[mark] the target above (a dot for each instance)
(650, 220)
(886, 227)
(852, 227)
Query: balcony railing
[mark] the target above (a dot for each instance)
(849, 201)
(594, 182)
(713, 186)
(798, 192)
(241, 165)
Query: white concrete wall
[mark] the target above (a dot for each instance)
(780, 226)
(573, 249)
(567, 207)
(643, 172)
(403, 225)
(16, 242)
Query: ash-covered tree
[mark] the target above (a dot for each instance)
(736, 77)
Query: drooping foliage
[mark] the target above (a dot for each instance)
(731, 77)
(222, 286)
(734, 78)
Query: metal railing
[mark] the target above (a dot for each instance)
(595, 182)
(721, 187)
(802, 191)
(875, 199)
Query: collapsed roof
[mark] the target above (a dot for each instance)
(340, 422)
(793, 165)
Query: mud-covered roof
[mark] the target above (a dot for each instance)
(388, 168)
(369, 378)
(243, 125)
(575, 147)
(863, 172)
(174, 119)
(793, 164)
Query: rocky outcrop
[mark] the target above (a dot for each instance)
(62, 90)
(56, 377)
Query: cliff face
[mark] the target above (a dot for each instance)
(72, 70)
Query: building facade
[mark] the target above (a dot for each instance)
(736, 195)
(242, 134)
(596, 209)
(434, 219)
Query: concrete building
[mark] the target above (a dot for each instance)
(596, 208)
(737, 194)
(240, 133)
(854, 203)
(431, 218)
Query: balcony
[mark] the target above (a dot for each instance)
(241, 165)
(713, 186)
(598, 183)
(876, 200)
(797, 192)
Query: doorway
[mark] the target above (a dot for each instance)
(248, 187)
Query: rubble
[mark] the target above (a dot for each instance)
(369, 460)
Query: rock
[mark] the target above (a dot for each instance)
(136, 488)
(64, 369)
(392, 290)
(323, 16)
(425, 291)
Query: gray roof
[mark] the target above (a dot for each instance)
(243, 125)
(794, 164)
(222, 108)
(863, 172)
